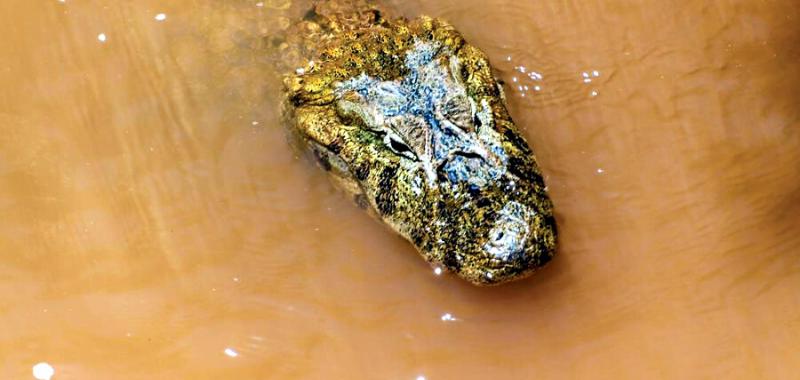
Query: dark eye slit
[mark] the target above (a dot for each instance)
(398, 146)
(477, 121)
(469, 155)
(440, 167)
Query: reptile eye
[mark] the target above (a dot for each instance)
(399, 147)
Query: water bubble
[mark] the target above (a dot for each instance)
(43, 371)
(231, 352)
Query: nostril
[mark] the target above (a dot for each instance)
(509, 235)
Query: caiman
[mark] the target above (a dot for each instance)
(409, 120)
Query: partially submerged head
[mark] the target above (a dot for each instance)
(411, 121)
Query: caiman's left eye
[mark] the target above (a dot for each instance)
(477, 121)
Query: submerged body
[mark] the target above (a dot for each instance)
(408, 119)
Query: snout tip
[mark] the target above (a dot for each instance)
(519, 243)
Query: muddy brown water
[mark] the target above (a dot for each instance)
(154, 223)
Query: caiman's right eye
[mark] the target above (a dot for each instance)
(399, 147)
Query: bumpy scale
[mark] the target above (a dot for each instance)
(408, 119)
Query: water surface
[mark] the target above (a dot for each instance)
(156, 225)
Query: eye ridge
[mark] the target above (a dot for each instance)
(458, 111)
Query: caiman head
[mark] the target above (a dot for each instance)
(409, 119)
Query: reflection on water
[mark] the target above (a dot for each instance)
(156, 224)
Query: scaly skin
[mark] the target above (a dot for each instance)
(408, 119)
